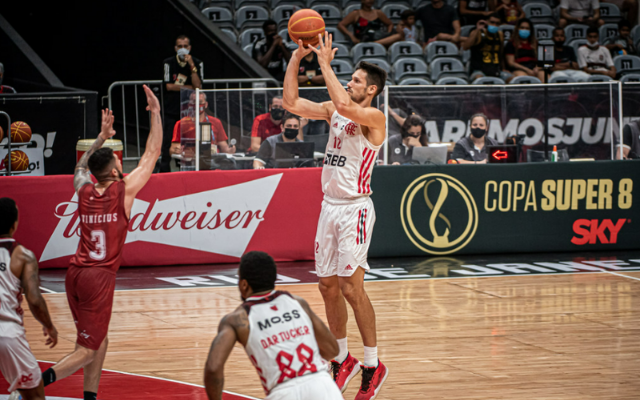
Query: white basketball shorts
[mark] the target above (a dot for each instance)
(343, 236)
(17, 364)
(316, 386)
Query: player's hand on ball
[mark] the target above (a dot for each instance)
(152, 100)
(52, 334)
(302, 51)
(106, 131)
(325, 52)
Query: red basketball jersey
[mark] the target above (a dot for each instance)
(103, 227)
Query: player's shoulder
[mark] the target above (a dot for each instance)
(22, 253)
(237, 319)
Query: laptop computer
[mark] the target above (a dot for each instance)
(430, 155)
(294, 155)
(502, 154)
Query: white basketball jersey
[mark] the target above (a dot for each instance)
(10, 293)
(348, 160)
(282, 344)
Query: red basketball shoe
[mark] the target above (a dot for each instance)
(372, 380)
(343, 373)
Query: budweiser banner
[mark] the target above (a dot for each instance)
(181, 218)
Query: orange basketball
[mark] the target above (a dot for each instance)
(20, 132)
(19, 161)
(306, 25)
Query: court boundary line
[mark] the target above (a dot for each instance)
(165, 379)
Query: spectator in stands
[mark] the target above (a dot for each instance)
(180, 71)
(268, 124)
(566, 62)
(580, 12)
(623, 43)
(310, 73)
(595, 59)
(440, 22)
(407, 27)
(520, 52)
(510, 12)
(630, 141)
(267, 154)
(627, 6)
(271, 52)
(487, 49)
(369, 25)
(472, 11)
(4, 88)
(473, 149)
(412, 134)
(186, 126)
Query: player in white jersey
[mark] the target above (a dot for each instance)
(285, 341)
(347, 217)
(18, 275)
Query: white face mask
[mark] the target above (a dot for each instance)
(593, 46)
(182, 52)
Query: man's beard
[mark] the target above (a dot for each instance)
(120, 174)
(355, 98)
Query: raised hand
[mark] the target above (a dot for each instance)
(325, 52)
(152, 100)
(302, 51)
(106, 131)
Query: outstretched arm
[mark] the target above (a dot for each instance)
(139, 176)
(218, 354)
(82, 175)
(30, 281)
(326, 341)
(292, 102)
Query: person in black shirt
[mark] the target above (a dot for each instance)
(473, 11)
(440, 22)
(180, 71)
(412, 134)
(487, 54)
(271, 52)
(566, 62)
(473, 149)
(630, 142)
(266, 156)
(310, 73)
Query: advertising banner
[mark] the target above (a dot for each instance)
(472, 209)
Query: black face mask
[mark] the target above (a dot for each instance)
(277, 114)
(290, 133)
(478, 132)
(559, 43)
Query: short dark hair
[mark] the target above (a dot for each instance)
(267, 23)
(593, 29)
(412, 120)
(8, 214)
(275, 97)
(289, 116)
(181, 37)
(101, 162)
(623, 24)
(406, 14)
(259, 270)
(481, 115)
(557, 28)
(494, 15)
(375, 75)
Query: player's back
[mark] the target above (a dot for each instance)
(282, 344)
(103, 227)
(348, 161)
(10, 293)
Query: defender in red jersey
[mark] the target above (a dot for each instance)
(103, 210)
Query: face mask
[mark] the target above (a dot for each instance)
(478, 132)
(524, 33)
(593, 46)
(277, 114)
(290, 133)
(492, 29)
(559, 43)
(182, 52)
(201, 109)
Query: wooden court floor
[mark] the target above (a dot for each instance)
(533, 337)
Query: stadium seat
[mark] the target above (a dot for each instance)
(232, 34)
(251, 16)
(539, 13)
(404, 49)
(466, 56)
(368, 50)
(384, 64)
(338, 37)
(446, 66)
(221, 16)
(544, 31)
(284, 33)
(344, 82)
(394, 10)
(343, 51)
(507, 30)
(214, 3)
(630, 78)
(575, 31)
(562, 79)
(608, 31)
(599, 78)
(518, 80)
(405, 67)
(465, 31)
(414, 81)
(488, 80)
(250, 35)
(627, 64)
(441, 49)
(298, 3)
(313, 3)
(415, 4)
(576, 44)
(343, 68)
(635, 33)
(451, 80)
(283, 12)
(610, 13)
(241, 3)
(248, 49)
(330, 13)
(346, 10)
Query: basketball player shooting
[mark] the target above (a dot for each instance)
(282, 336)
(347, 216)
(104, 210)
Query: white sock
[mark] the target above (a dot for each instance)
(344, 350)
(371, 356)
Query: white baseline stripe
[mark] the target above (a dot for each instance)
(46, 290)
